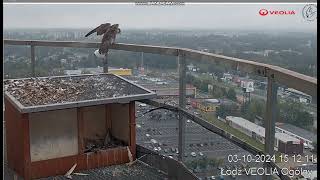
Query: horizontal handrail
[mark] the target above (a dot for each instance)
(283, 76)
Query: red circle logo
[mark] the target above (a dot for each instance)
(263, 12)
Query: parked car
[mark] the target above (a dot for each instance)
(193, 154)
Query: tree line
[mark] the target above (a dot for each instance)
(287, 112)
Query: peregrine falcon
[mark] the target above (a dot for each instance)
(109, 35)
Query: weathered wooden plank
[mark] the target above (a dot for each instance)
(294, 80)
(235, 63)
(78, 44)
(172, 51)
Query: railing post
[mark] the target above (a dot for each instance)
(182, 104)
(33, 61)
(270, 119)
(142, 63)
(105, 63)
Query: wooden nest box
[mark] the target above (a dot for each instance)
(53, 123)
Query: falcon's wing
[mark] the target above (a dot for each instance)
(92, 31)
(100, 29)
(103, 28)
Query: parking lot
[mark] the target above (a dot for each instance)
(158, 130)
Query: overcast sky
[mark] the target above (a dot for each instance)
(189, 16)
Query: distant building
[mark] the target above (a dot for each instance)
(218, 51)
(298, 95)
(204, 50)
(116, 71)
(72, 72)
(96, 70)
(303, 135)
(261, 53)
(288, 144)
(291, 51)
(192, 68)
(210, 87)
(121, 71)
(210, 105)
(247, 85)
(205, 105)
(64, 61)
(262, 85)
(162, 89)
(226, 77)
(284, 143)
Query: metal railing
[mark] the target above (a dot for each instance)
(275, 75)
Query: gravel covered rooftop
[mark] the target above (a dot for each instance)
(64, 89)
(137, 171)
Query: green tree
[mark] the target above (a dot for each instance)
(227, 110)
(253, 109)
(314, 144)
(203, 162)
(293, 113)
(217, 92)
(231, 94)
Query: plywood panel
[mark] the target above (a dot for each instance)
(120, 121)
(60, 166)
(53, 134)
(94, 122)
(132, 127)
(17, 140)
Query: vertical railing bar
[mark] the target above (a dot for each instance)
(105, 63)
(142, 63)
(182, 104)
(32, 54)
(271, 115)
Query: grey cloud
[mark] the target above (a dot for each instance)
(190, 16)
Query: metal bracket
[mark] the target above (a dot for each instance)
(181, 53)
(268, 74)
(262, 72)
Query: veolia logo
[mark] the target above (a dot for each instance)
(264, 12)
